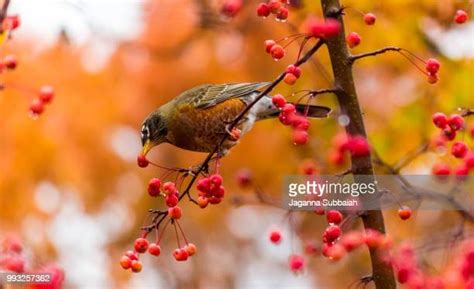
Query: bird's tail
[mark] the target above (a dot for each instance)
(313, 111)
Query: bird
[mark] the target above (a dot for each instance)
(197, 119)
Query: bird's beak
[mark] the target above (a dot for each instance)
(146, 147)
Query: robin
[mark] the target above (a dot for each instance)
(197, 119)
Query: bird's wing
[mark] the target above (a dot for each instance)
(211, 94)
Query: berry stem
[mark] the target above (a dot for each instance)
(182, 232)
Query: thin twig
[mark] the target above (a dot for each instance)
(353, 58)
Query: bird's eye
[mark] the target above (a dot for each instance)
(145, 132)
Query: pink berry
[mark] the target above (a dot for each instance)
(440, 120)
(269, 45)
(171, 200)
(334, 217)
(278, 100)
(441, 170)
(323, 29)
(296, 263)
(231, 8)
(290, 79)
(11, 22)
(456, 121)
(244, 176)
(300, 137)
(46, 93)
(174, 212)
(10, 61)
(369, 19)
(335, 252)
(469, 160)
(216, 180)
(282, 14)
(169, 188)
(358, 146)
(181, 254)
(36, 107)
(460, 17)
(274, 5)
(459, 149)
(154, 249)
(432, 66)
(288, 109)
(277, 52)
(141, 245)
(352, 240)
(461, 172)
(295, 70)
(353, 39)
(331, 234)
(263, 10)
(154, 187)
(131, 255)
(404, 213)
(275, 236)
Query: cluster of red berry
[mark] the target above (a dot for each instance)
(45, 96)
(279, 8)
(356, 145)
(289, 116)
(449, 127)
(12, 260)
(432, 68)
(210, 190)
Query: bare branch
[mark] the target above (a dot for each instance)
(353, 58)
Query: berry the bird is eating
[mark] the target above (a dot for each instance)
(197, 119)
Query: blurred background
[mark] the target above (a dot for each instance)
(69, 184)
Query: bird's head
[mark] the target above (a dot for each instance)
(154, 131)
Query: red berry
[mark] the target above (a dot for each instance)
(353, 39)
(460, 17)
(373, 239)
(278, 100)
(432, 66)
(404, 213)
(300, 137)
(319, 211)
(358, 146)
(335, 252)
(174, 212)
(171, 200)
(310, 248)
(403, 275)
(275, 236)
(334, 217)
(369, 19)
(181, 254)
(214, 200)
(336, 157)
(136, 266)
(154, 249)
(13, 263)
(296, 263)
(46, 93)
(269, 45)
(263, 10)
(459, 149)
(191, 249)
(274, 5)
(461, 172)
(231, 8)
(216, 180)
(440, 120)
(141, 245)
(440, 169)
(169, 188)
(352, 240)
(331, 234)
(295, 70)
(125, 262)
(142, 161)
(277, 52)
(288, 109)
(11, 243)
(202, 202)
(323, 29)
(290, 79)
(10, 61)
(154, 186)
(244, 176)
(131, 255)
(11, 22)
(456, 121)
(469, 160)
(432, 78)
(449, 133)
(36, 107)
(282, 14)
